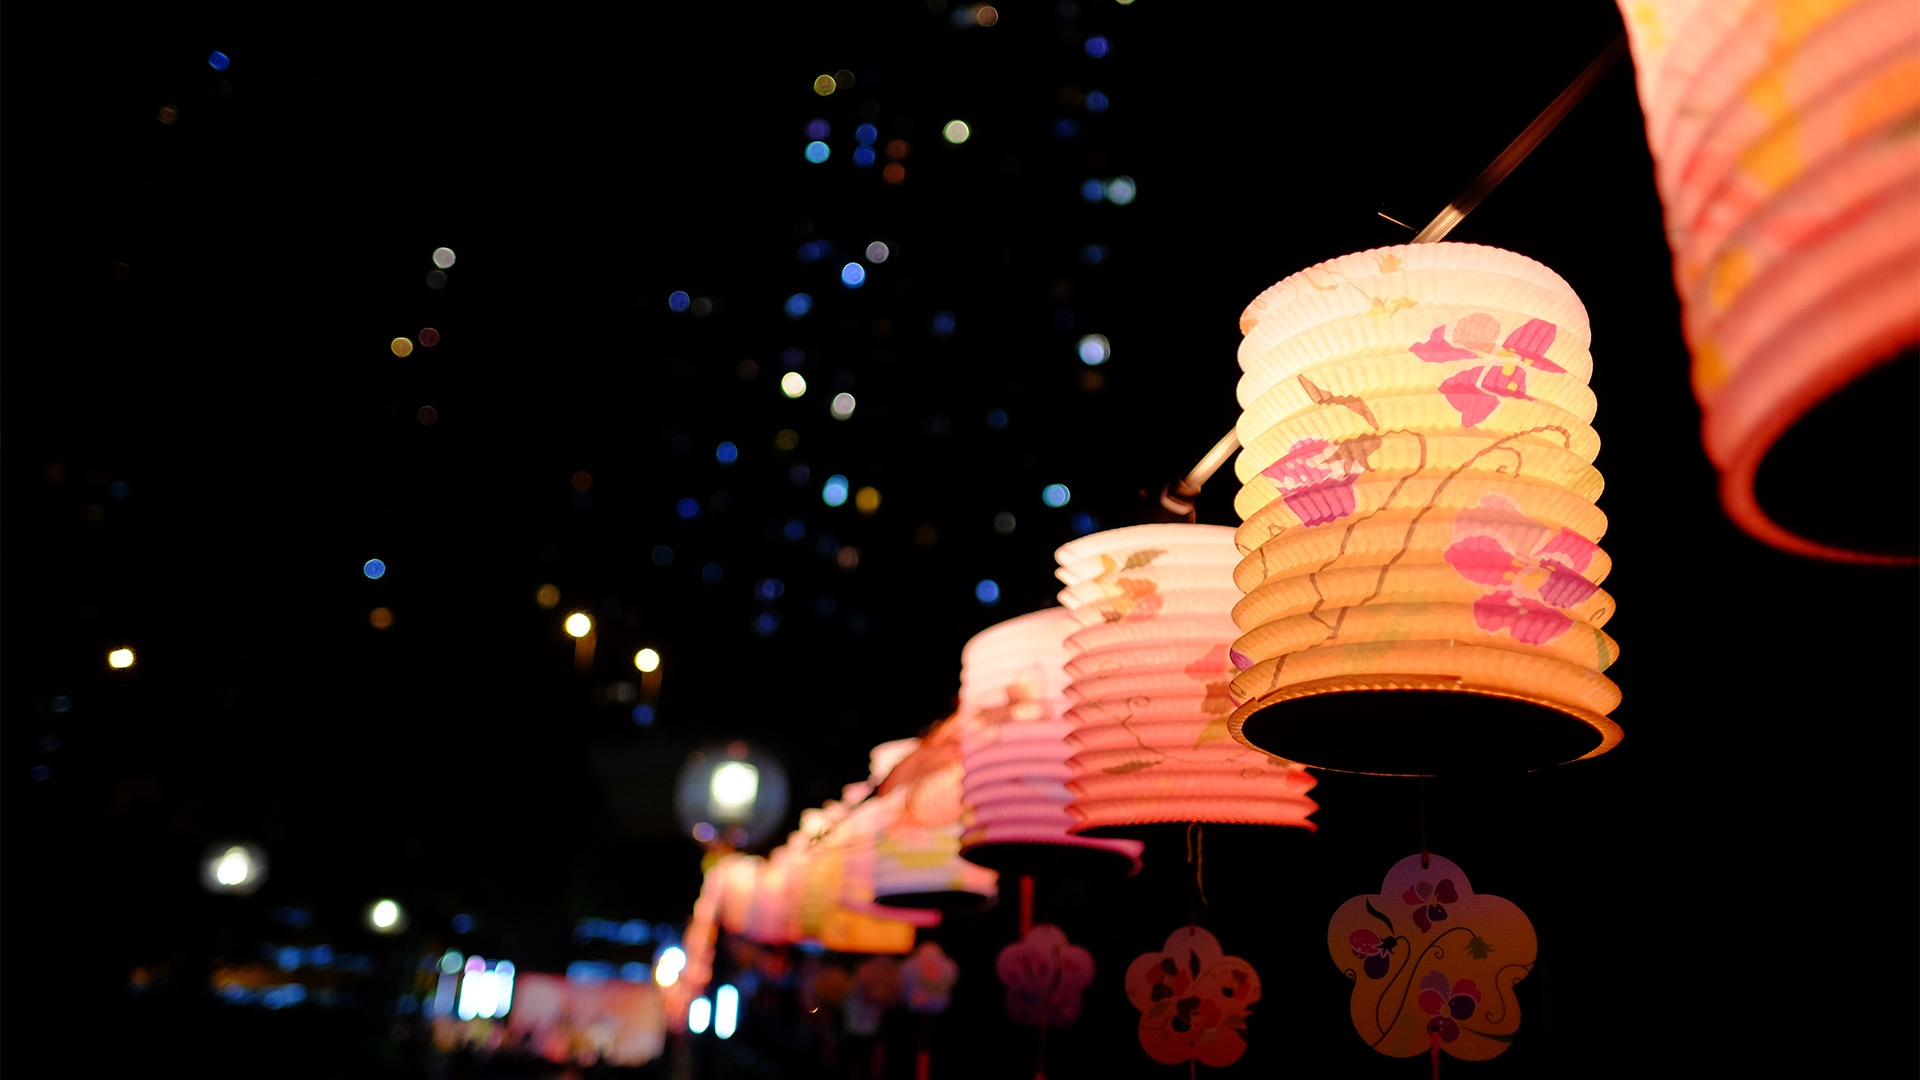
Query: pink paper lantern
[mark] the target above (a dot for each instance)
(917, 861)
(1149, 668)
(1788, 162)
(1014, 753)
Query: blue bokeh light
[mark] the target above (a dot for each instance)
(987, 592)
(817, 152)
(1093, 254)
(688, 508)
(824, 606)
(1093, 191)
(1096, 101)
(818, 128)
(814, 251)
(1082, 522)
(1097, 46)
(799, 475)
(1065, 128)
(118, 489)
(834, 491)
(770, 588)
(462, 924)
(943, 324)
(997, 419)
(662, 555)
(863, 157)
(795, 529)
(374, 569)
(643, 714)
(766, 623)
(679, 301)
(1055, 495)
(853, 275)
(799, 304)
(866, 133)
(712, 572)
(218, 60)
(726, 453)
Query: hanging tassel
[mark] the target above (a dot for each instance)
(923, 1061)
(1197, 856)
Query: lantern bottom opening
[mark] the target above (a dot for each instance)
(1785, 486)
(1070, 856)
(945, 901)
(1418, 725)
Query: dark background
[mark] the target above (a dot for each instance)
(200, 310)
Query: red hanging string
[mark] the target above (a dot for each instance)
(1434, 1038)
(1026, 905)
(923, 1061)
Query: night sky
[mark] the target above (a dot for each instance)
(207, 434)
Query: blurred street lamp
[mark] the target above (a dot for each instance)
(732, 795)
(579, 627)
(233, 868)
(386, 917)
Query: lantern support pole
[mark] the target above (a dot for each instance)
(1178, 498)
(1524, 143)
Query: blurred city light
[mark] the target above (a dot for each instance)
(877, 252)
(402, 347)
(867, 500)
(374, 569)
(120, 658)
(842, 406)
(817, 151)
(726, 1010)
(669, 964)
(218, 61)
(1055, 495)
(547, 596)
(233, 868)
(1095, 350)
(1120, 190)
(386, 917)
(443, 258)
(486, 991)
(793, 384)
(834, 491)
(956, 131)
(647, 660)
(853, 275)
(824, 85)
(734, 787)
(987, 592)
(698, 1015)
(579, 624)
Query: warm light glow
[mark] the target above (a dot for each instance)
(384, 916)
(647, 660)
(793, 384)
(734, 786)
(825, 85)
(402, 346)
(547, 596)
(956, 131)
(380, 618)
(233, 868)
(579, 624)
(669, 964)
(867, 500)
(120, 658)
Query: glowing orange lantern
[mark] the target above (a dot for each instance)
(1014, 751)
(1419, 516)
(1788, 160)
(1150, 671)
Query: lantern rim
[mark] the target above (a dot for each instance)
(1481, 729)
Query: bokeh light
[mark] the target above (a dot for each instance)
(547, 596)
(374, 569)
(1097, 46)
(380, 618)
(1055, 495)
(867, 500)
(402, 347)
(894, 173)
(429, 337)
(218, 60)
(643, 714)
(1093, 191)
(833, 492)
(647, 660)
(766, 623)
(436, 279)
(168, 114)
(986, 14)
(847, 557)
(987, 591)
(443, 258)
(842, 407)
(788, 438)
(726, 453)
(1096, 101)
(997, 419)
(877, 252)
(662, 555)
(233, 868)
(794, 530)
(817, 151)
(863, 157)
(699, 1015)
(798, 305)
(1004, 523)
(793, 384)
(687, 508)
(581, 480)
(853, 275)
(678, 301)
(866, 134)
(386, 917)
(726, 1011)
(825, 85)
(956, 131)
(120, 658)
(1120, 190)
(943, 324)
(579, 624)
(1095, 350)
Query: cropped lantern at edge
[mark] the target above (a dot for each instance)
(1786, 145)
(1420, 540)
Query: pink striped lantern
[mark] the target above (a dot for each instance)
(1149, 668)
(917, 861)
(1788, 161)
(1014, 752)
(858, 833)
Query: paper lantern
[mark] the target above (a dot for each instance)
(1149, 670)
(1787, 153)
(1419, 520)
(1013, 737)
(917, 861)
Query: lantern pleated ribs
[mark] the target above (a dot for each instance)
(1786, 147)
(1149, 673)
(1417, 499)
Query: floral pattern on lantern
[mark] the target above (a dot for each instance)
(1437, 962)
(1046, 977)
(1193, 1000)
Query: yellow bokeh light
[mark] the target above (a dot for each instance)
(956, 131)
(120, 658)
(867, 500)
(380, 618)
(402, 346)
(647, 660)
(825, 85)
(787, 439)
(579, 624)
(548, 596)
(793, 384)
